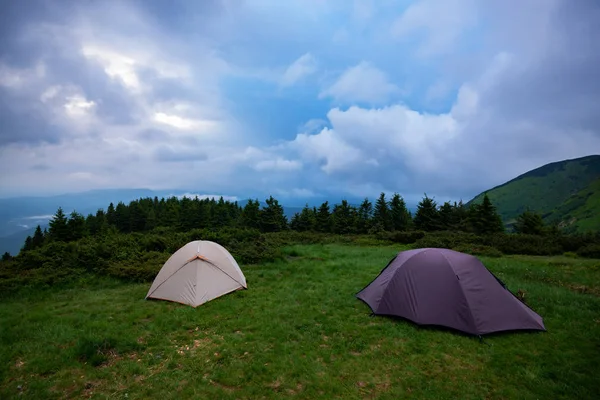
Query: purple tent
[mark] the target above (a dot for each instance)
(447, 288)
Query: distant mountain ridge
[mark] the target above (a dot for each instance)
(564, 192)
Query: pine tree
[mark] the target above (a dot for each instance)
(6, 256)
(295, 222)
(186, 221)
(76, 226)
(304, 220)
(121, 217)
(251, 215)
(323, 218)
(100, 222)
(58, 229)
(342, 218)
(27, 246)
(202, 214)
(110, 215)
(150, 220)
(90, 224)
(364, 216)
(221, 216)
(272, 218)
(484, 218)
(234, 212)
(427, 216)
(382, 218)
(400, 215)
(446, 216)
(137, 218)
(460, 217)
(530, 223)
(38, 238)
(170, 216)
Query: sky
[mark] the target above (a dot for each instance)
(298, 99)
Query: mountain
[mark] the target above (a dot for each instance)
(581, 212)
(565, 192)
(14, 242)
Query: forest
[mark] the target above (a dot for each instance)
(147, 214)
(131, 241)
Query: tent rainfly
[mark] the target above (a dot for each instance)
(448, 288)
(198, 272)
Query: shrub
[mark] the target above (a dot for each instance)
(535, 245)
(254, 252)
(447, 240)
(574, 242)
(479, 250)
(369, 241)
(135, 272)
(401, 237)
(590, 251)
(155, 243)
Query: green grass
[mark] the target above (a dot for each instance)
(555, 188)
(298, 331)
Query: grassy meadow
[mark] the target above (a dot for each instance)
(299, 332)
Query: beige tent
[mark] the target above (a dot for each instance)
(198, 272)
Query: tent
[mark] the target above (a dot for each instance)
(448, 288)
(198, 272)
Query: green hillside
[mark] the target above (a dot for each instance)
(581, 212)
(567, 192)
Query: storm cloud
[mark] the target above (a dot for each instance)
(436, 96)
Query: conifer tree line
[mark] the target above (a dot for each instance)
(181, 214)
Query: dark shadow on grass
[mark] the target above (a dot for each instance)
(450, 330)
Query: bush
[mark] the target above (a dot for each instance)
(365, 240)
(255, 252)
(447, 240)
(142, 270)
(401, 237)
(572, 243)
(139, 256)
(155, 243)
(590, 251)
(534, 245)
(479, 250)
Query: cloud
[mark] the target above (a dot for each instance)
(328, 149)
(363, 10)
(115, 65)
(302, 67)
(180, 122)
(441, 24)
(444, 97)
(296, 192)
(454, 152)
(361, 83)
(167, 153)
(16, 78)
(39, 217)
(278, 164)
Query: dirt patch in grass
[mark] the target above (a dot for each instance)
(584, 289)
(227, 388)
(196, 344)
